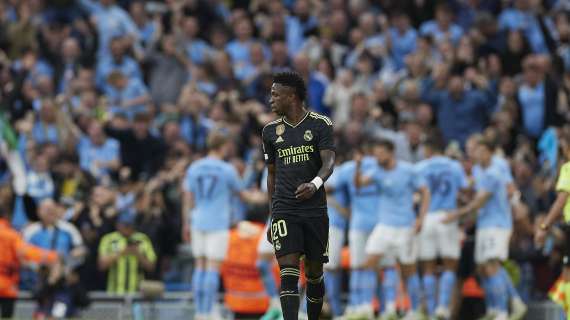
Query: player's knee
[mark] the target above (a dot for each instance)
(313, 269)
(289, 260)
(315, 287)
(289, 279)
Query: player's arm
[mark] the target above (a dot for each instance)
(307, 190)
(425, 195)
(477, 203)
(556, 210)
(187, 206)
(361, 180)
(344, 211)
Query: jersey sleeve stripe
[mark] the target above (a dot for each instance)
(273, 122)
(321, 117)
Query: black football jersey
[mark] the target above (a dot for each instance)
(295, 152)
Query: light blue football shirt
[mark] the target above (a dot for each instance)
(397, 187)
(496, 213)
(363, 201)
(445, 178)
(213, 183)
(502, 166)
(340, 196)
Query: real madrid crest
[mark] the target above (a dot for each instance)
(280, 129)
(308, 136)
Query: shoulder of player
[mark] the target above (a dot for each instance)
(405, 165)
(320, 118)
(272, 124)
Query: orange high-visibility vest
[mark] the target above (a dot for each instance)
(13, 250)
(244, 291)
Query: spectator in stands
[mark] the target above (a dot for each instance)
(460, 112)
(315, 85)
(53, 233)
(111, 21)
(117, 61)
(127, 96)
(537, 29)
(141, 151)
(442, 28)
(98, 154)
(197, 50)
(167, 71)
(537, 97)
(39, 181)
(126, 254)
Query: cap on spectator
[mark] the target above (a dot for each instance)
(127, 217)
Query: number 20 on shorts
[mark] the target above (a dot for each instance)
(278, 229)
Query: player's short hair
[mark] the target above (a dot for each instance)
(385, 143)
(487, 143)
(435, 142)
(216, 140)
(293, 80)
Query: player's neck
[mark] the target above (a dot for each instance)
(295, 115)
(391, 164)
(216, 155)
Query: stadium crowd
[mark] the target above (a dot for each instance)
(105, 103)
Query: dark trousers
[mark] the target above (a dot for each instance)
(7, 307)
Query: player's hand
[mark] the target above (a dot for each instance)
(418, 225)
(540, 237)
(450, 217)
(305, 191)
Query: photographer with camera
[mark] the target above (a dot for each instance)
(126, 254)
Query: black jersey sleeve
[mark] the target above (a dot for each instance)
(268, 149)
(326, 136)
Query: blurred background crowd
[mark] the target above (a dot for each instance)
(104, 104)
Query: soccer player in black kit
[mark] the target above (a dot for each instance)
(300, 154)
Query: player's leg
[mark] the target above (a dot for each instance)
(449, 249)
(363, 279)
(480, 246)
(288, 242)
(315, 288)
(377, 249)
(429, 285)
(427, 254)
(198, 275)
(355, 270)
(388, 290)
(502, 240)
(289, 293)
(498, 288)
(407, 256)
(316, 249)
(446, 287)
(487, 252)
(216, 250)
(333, 270)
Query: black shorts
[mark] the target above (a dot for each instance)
(306, 235)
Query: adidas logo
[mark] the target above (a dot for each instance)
(279, 139)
